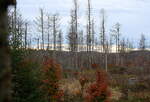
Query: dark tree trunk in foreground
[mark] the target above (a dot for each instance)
(5, 71)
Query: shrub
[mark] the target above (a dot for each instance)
(83, 80)
(25, 79)
(98, 91)
(51, 74)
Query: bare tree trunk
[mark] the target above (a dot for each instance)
(76, 32)
(76, 24)
(103, 39)
(89, 26)
(106, 63)
(26, 31)
(55, 17)
(15, 28)
(40, 27)
(118, 43)
(5, 70)
(106, 56)
(54, 32)
(38, 43)
(93, 35)
(60, 40)
(48, 32)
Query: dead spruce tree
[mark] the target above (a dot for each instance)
(55, 29)
(89, 28)
(89, 33)
(48, 29)
(73, 36)
(76, 22)
(25, 35)
(5, 71)
(60, 40)
(73, 28)
(81, 41)
(41, 26)
(103, 39)
(93, 35)
(142, 43)
(103, 31)
(70, 35)
(116, 33)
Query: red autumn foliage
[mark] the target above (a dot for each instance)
(58, 96)
(50, 64)
(94, 66)
(83, 80)
(51, 74)
(99, 90)
(76, 74)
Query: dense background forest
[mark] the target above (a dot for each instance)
(40, 62)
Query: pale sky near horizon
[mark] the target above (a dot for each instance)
(133, 15)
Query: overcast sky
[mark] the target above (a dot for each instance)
(133, 15)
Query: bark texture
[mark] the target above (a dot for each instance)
(5, 70)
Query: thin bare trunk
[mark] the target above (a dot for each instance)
(26, 31)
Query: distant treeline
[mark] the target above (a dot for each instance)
(76, 60)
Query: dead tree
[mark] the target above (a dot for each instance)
(40, 26)
(142, 43)
(48, 31)
(60, 40)
(55, 29)
(104, 42)
(25, 35)
(129, 45)
(81, 41)
(93, 35)
(76, 23)
(5, 68)
(76, 31)
(110, 43)
(89, 24)
(70, 35)
(103, 32)
(73, 29)
(116, 33)
(38, 43)
(72, 38)
(123, 47)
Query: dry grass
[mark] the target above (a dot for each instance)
(71, 87)
(116, 94)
